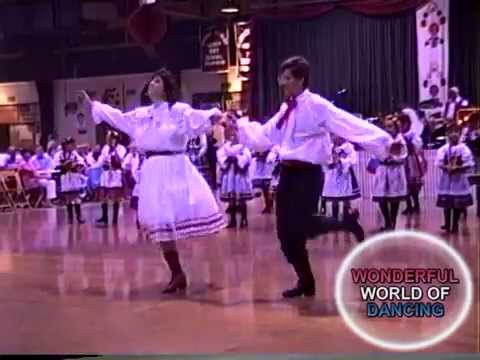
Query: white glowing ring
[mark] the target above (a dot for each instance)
(392, 345)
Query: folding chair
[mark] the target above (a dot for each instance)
(14, 188)
(6, 202)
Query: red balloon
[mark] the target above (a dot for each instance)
(147, 25)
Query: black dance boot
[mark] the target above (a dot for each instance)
(306, 280)
(232, 211)
(243, 214)
(447, 213)
(350, 220)
(178, 281)
(268, 202)
(78, 212)
(323, 207)
(456, 219)
(70, 213)
(116, 209)
(104, 219)
(409, 209)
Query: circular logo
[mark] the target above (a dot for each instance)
(404, 290)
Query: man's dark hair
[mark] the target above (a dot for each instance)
(299, 67)
(170, 85)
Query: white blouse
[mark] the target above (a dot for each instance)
(158, 127)
(306, 134)
(461, 151)
(241, 152)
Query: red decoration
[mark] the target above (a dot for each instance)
(365, 7)
(147, 25)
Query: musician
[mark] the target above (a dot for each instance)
(341, 185)
(43, 163)
(454, 194)
(454, 103)
(72, 179)
(236, 186)
(111, 179)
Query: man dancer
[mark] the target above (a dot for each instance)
(301, 128)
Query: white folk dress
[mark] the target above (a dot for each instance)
(340, 179)
(111, 179)
(390, 181)
(234, 161)
(72, 179)
(454, 190)
(174, 202)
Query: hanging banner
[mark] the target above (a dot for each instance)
(215, 54)
(243, 44)
(432, 44)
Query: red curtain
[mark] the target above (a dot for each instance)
(365, 7)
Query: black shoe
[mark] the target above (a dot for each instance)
(104, 219)
(299, 291)
(445, 228)
(78, 212)
(407, 211)
(178, 283)
(352, 224)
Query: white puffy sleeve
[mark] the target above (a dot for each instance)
(467, 157)
(273, 155)
(222, 156)
(121, 151)
(261, 137)
(203, 145)
(440, 157)
(353, 129)
(350, 159)
(79, 160)
(193, 122)
(126, 122)
(127, 162)
(244, 157)
(57, 159)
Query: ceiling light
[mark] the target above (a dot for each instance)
(229, 7)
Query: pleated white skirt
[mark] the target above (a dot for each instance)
(174, 200)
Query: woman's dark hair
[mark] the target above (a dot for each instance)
(170, 85)
(299, 67)
(144, 98)
(404, 119)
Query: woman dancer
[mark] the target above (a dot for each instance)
(111, 179)
(341, 185)
(174, 200)
(390, 183)
(72, 180)
(454, 194)
(415, 164)
(236, 187)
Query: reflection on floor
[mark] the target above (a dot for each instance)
(83, 289)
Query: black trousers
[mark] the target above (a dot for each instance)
(298, 194)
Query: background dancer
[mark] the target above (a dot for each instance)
(454, 193)
(235, 184)
(341, 185)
